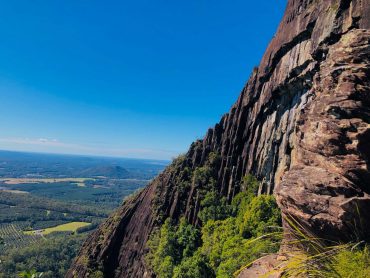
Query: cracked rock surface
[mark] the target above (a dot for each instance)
(301, 125)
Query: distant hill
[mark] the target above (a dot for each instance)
(37, 165)
(114, 172)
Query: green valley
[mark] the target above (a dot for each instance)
(47, 208)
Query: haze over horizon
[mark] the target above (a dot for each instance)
(131, 79)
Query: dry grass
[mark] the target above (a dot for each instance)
(320, 258)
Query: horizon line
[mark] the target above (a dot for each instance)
(83, 155)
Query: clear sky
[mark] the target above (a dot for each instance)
(138, 78)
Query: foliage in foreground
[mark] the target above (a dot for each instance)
(340, 261)
(321, 259)
(232, 234)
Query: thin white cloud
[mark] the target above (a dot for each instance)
(39, 141)
(56, 146)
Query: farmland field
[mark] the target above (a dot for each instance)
(77, 181)
(68, 227)
(50, 203)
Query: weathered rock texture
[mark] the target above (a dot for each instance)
(301, 125)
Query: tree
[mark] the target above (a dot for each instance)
(164, 250)
(29, 274)
(230, 236)
(213, 207)
(170, 245)
(261, 213)
(188, 238)
(196, 266)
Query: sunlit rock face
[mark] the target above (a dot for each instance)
(301, 125)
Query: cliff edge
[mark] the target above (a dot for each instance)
(301, 125)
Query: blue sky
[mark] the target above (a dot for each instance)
(136, 78)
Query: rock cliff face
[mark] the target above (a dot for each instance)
(301, 125)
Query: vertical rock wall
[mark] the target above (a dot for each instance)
(301, 125)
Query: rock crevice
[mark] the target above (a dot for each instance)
(301, 125)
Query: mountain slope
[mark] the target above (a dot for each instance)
(300, 125)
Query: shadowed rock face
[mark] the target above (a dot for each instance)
(301, 125)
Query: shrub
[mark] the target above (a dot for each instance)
(214, 236)
(250, 185)
(165, 268)
(261, 213)
(188, 238)
(228, 238)
(203, 179)
(237, 251)
(196, 266)
(213, 207)
(352, 263)
(163, 251)
(321, 258)
(170, 245)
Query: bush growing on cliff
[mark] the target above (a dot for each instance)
(352, 262)
(213, 207)
(230, 236)
(321, 258)
(203, 179)
(250, 185)
(261, 214)
(338, 261)
(170, 245)
(194, 266)
(188, 238)
(228, 246)
(238, 251)
(163, 250)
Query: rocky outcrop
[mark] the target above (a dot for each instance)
(301, 125)
(328, 183)
(268, 266)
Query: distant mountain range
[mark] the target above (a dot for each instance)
(36, 165)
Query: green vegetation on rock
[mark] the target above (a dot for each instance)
(352, 262)
(230, 237)
(213, 207)
(321, 258)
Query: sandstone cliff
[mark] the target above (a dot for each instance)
(301, 125)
